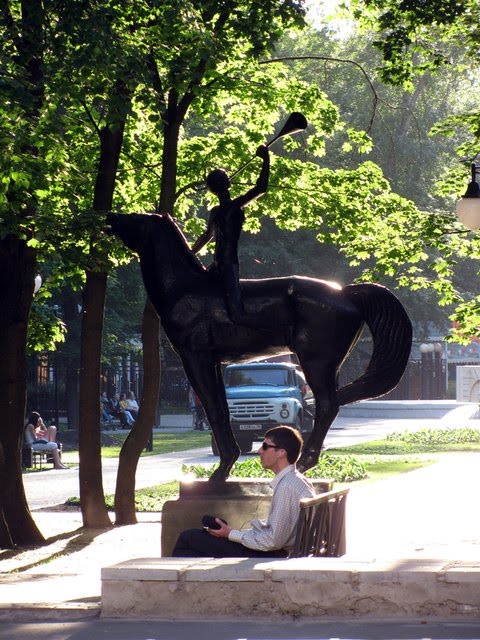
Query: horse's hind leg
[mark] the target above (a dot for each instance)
(321, 378)
(206, 379)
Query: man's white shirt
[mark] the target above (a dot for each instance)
(278, 531)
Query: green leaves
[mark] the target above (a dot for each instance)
(416, 37)
(337, 468)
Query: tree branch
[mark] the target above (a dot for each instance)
(197, 185)
(89, 116)
(342, 61)
(156, 80)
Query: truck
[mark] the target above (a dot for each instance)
(262, 395)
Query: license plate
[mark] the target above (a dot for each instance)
(246, 427)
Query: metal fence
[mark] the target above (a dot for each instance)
(47, 390)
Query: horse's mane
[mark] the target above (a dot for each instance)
(177, 241)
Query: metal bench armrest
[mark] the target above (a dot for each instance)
(321, 526)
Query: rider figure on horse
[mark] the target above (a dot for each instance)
(225, 225)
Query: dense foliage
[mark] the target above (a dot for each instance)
(418, 41)
(337, 468)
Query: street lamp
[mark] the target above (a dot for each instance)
(37, 284)
(468, 207)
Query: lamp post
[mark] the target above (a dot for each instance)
(437, 369)
(426, 374)
(38, 284)
(468, 207)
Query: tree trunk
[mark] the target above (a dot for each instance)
(17, 273)
(138, 437)
(92, 500)
(142, 429)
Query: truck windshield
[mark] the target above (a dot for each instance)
(247, 377)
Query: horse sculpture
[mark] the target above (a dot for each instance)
(319, 321)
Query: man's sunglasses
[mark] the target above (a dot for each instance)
(266, 446)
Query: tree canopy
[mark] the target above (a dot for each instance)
(423, 40)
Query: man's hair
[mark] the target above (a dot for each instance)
(218, 181)
(287, 438)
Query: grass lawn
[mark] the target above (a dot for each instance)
(162, 443)
(383, 458)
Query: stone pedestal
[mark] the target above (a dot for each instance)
(266, 589)
(238, 501)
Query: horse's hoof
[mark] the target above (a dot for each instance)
(219, 475)
(307, 461)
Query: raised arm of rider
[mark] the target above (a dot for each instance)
(262, 183)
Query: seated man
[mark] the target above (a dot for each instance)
(275, 536)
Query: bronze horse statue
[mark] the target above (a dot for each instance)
(319, 321)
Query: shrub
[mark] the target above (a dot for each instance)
(436, 436)
(337, 468)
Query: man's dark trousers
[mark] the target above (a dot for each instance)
(196, 543)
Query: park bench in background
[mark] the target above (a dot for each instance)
(113, 424)
(321, 526)
(36, 459)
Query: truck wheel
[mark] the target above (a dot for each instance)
(245, 444)
(299, 422)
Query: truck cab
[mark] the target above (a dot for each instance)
(262, 395)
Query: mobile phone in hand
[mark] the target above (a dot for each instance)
(208, 522)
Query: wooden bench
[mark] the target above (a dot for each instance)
(113, 425)
(321, 526)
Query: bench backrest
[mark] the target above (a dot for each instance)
(321, 525)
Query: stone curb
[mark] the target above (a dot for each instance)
(47, 612)
(192, 588)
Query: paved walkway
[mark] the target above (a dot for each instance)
(430, 513)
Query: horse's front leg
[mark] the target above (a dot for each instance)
(321, 379)
(206, 379)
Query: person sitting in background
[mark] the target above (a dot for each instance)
(105, 408)
(117, 411)
(42, 438)
(132, 405)
(124, 410)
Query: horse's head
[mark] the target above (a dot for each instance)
(157, 240)
(132, 228)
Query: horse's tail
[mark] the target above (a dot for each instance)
(391, 331)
